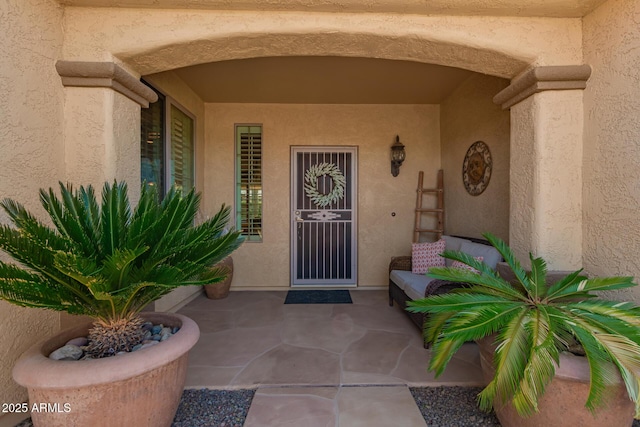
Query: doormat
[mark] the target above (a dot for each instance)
(341, 296)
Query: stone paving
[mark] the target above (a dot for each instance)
(326, 364)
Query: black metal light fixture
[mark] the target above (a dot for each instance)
(397, 156)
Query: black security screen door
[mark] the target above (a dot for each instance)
(323, 216)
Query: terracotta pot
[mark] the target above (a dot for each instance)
(562, 403)
(141, 388)
(221, 289)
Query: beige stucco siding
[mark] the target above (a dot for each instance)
(31, 148)
(469, 115)
(372, 128)
(611, 191)
(150, 41)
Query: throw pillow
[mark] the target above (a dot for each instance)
(425, 255)
(463, 266)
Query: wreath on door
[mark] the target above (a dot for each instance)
(311, 184)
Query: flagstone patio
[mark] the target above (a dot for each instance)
(326, 364)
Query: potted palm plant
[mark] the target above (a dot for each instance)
(525, 330)
(109, 260)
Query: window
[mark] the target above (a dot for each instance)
(167, 137)
(249, 181)
(152, 144)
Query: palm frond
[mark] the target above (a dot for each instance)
(507, 254)
(54, 208)
(540, 367)
(33, 229)
(606, 283)
(433, 327)
(26, 289)
(538, 276)
(91, 218)
(618, 317)
(454, 302)
(145, 215)
(116, 212)
(496, 284)
(510, 361)
(570, 281)
(480, 322)
(600, 367)
(74, 217)
(442, 352)
(117, 267)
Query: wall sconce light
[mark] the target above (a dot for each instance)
(397, 156)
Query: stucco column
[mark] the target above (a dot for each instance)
(102, 123)
(546, 164)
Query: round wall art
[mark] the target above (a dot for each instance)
(476, 168)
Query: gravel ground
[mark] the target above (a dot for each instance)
(213, 408)
(452, 407)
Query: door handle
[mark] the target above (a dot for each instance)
(298, 219)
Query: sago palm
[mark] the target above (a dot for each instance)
(107, 260)
(533, 323)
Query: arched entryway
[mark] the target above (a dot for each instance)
(157, 41)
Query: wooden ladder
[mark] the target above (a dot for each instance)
(438, 210)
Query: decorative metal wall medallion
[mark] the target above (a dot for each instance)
(476, 168)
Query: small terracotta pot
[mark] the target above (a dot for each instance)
(220, 290)
(142, 388)
(562, 403)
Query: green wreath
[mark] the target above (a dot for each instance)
(311, 184)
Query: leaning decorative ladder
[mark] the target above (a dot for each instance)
(438, 210)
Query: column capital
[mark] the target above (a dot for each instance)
(538, 79)
(105, 74)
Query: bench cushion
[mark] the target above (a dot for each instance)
(413, 285)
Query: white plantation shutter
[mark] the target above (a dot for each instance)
(249, 181)
(182, 161)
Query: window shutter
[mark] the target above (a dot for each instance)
(182, 170)
(249, 181)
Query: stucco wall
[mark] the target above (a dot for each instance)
(469, 115)
(171, 85)
(611, 194)
(546, 178)
(151, 41)
(370, 127)
(102, 137)
(31, 148)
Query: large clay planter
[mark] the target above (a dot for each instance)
(141, 388)
(562, 403)
(220, 289)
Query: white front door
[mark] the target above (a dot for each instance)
(323, 216)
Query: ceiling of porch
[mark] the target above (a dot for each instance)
(554, 8)
(322, 80)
